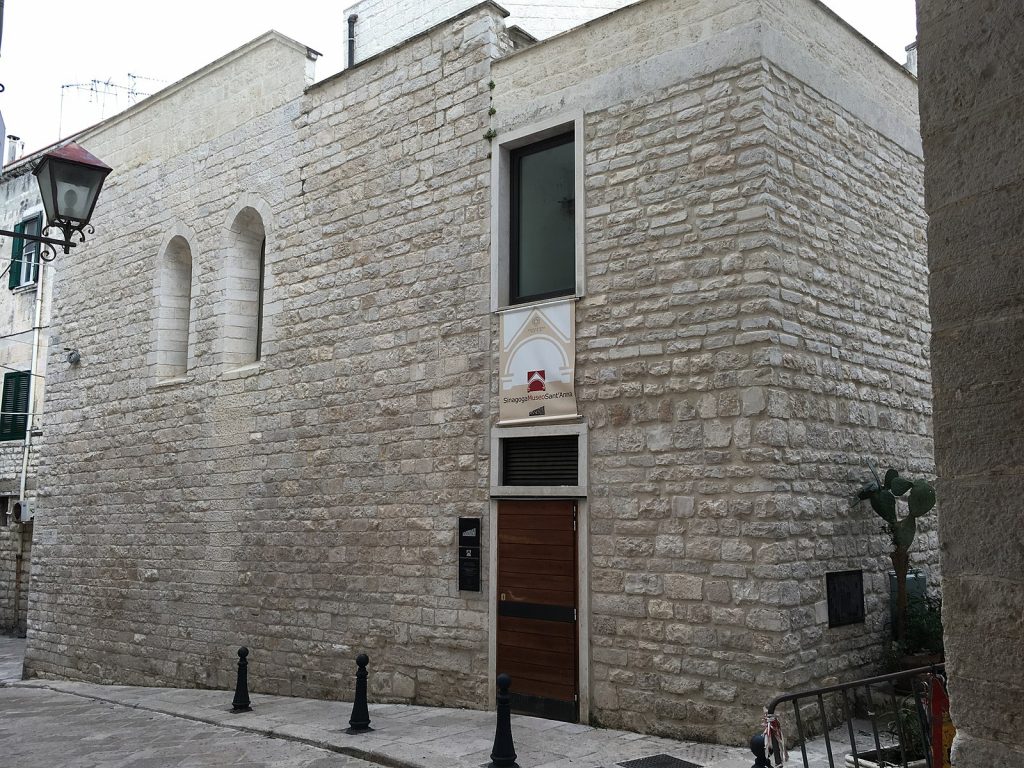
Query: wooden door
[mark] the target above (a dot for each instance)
(537, 639)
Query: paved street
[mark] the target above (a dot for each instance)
(82, 725)
(46, 728)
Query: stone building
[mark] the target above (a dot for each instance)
(971, 114)
(25, 296)
(605, 328)
(376, 25)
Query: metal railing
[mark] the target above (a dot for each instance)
(875, 699)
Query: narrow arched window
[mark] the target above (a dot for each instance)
(244, 266)
(174, 310)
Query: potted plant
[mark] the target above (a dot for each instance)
(904, 726)
(883, 496)
(922, 645)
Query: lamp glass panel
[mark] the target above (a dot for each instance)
(73, 200)
(77, 187)
(45, 180)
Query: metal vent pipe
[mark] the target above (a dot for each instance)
(352, 39)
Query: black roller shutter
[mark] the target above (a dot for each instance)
(552, 460)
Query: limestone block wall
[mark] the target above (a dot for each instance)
(391, 351)
(754, 328)
(971, 117)
(306, 505)
(16, 562)
(147, 484)
(385, 23)
(743, 214)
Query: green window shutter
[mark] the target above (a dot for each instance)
(14, 273)
(14, 405)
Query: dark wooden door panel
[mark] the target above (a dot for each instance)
(535, 537)
(537, 635)
(533, 641)
(553, 629)
(539, 568)
(552, 581)
(541, 657)
(545, 688)
(537, 552)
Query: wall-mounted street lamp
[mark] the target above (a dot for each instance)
(70, 179)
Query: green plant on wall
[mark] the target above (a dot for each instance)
(924, 626)
(884, 495)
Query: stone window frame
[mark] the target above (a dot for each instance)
(160, 369)
(236, 359)
(539, 491)
(501, 175)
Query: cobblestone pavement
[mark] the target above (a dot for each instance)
(41, 727)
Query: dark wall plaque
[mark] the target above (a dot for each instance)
(469, 554)
(845, 597)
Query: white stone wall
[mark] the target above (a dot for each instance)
(739, 356)
(755, 328)
(151, 479)
(385, 23)
(971, 118)
(304, 506)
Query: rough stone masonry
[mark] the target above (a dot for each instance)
(753, 326)
(971, 117)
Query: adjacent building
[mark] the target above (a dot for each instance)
(971, 114)
(561, 360)
(25, 293)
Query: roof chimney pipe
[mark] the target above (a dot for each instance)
(13, 148)
(352, 39)
(911, 65)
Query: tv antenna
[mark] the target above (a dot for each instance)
(102, 91)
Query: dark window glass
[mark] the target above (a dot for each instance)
(543, 246)
(259, 300)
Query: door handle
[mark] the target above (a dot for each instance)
(502, 596)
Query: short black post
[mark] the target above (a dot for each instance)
(757, 747)
(360, 720)
(503, 754)
(241, 700)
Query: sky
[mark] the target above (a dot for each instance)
(66, 64)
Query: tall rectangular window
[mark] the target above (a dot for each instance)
(25, 254)
(542, 248)
(14, 404)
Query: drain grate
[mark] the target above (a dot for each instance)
(659, 761)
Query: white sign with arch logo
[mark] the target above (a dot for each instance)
(538, 363)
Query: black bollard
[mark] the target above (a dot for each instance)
(757, 747)
(241, 700)
(360, 720)
(503, 754)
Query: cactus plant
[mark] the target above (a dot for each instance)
(883, 494)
